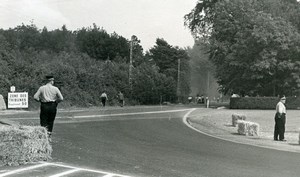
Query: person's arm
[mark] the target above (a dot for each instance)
(60, 98)
(37, 95)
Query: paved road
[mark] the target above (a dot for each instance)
(157, 145)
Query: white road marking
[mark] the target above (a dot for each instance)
(85, 169)
(65, 173)
(108, 175)
(72, 169)
(111, 115)
(134, 113)
(23, 169)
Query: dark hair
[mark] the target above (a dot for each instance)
(281, 96)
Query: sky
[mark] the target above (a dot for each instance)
(147, 19)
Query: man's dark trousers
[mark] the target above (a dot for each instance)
(279, 126)
(47, 115)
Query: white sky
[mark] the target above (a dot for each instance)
(147, 19)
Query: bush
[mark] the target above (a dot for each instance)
(253, 102)
(262, 103)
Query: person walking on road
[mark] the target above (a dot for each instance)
(121, 98)
(49, 96)
(103, 98)
(280, 119)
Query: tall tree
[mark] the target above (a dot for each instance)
(97, 43)
(255, 52)
(172, 61)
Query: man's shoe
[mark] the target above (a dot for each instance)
(282, 140)
(275, 139)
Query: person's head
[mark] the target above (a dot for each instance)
(282, 98)
(50, 79)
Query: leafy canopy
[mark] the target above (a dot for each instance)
(255, 48)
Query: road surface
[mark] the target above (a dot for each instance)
(152, 144)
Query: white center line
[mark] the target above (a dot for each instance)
(23, 169)
(108, 175)
(65, 173)
(111, 115)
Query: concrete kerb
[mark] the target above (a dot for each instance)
(238, 138)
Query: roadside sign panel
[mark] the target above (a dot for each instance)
(17, 100)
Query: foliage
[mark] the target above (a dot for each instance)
(255, 49)
(98, 44)
(84, 63)
(262, 102)
(150, 86)
(167, 58)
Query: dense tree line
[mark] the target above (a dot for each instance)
(254, 44)
(87, 62)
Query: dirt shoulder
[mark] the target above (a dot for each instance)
(218, 123)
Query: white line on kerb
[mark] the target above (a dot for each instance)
(23, 169)
(65, 173)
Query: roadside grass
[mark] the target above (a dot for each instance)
(220, 119)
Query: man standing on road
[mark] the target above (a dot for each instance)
(49, 96)
(280, 118)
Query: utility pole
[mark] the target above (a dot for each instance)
(178, 81)
(208, 81)
(130, 62)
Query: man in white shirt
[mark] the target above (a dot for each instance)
(103, 98)
(280, 118)
(49, 96)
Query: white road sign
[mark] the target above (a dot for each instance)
(17, 100)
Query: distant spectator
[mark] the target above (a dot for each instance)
(103, 98)
(235, 95)
(190, 98)
(202, 99)
(121, 98)
(280, 119)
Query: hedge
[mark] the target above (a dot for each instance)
(262, 103)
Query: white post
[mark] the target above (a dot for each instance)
(207, 103)
(178, 80)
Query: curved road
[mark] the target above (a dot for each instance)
(162, 145)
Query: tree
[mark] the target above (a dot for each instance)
(167, 58)
(152, 87)
(255, 52)
(137, 51)
(98, 44)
